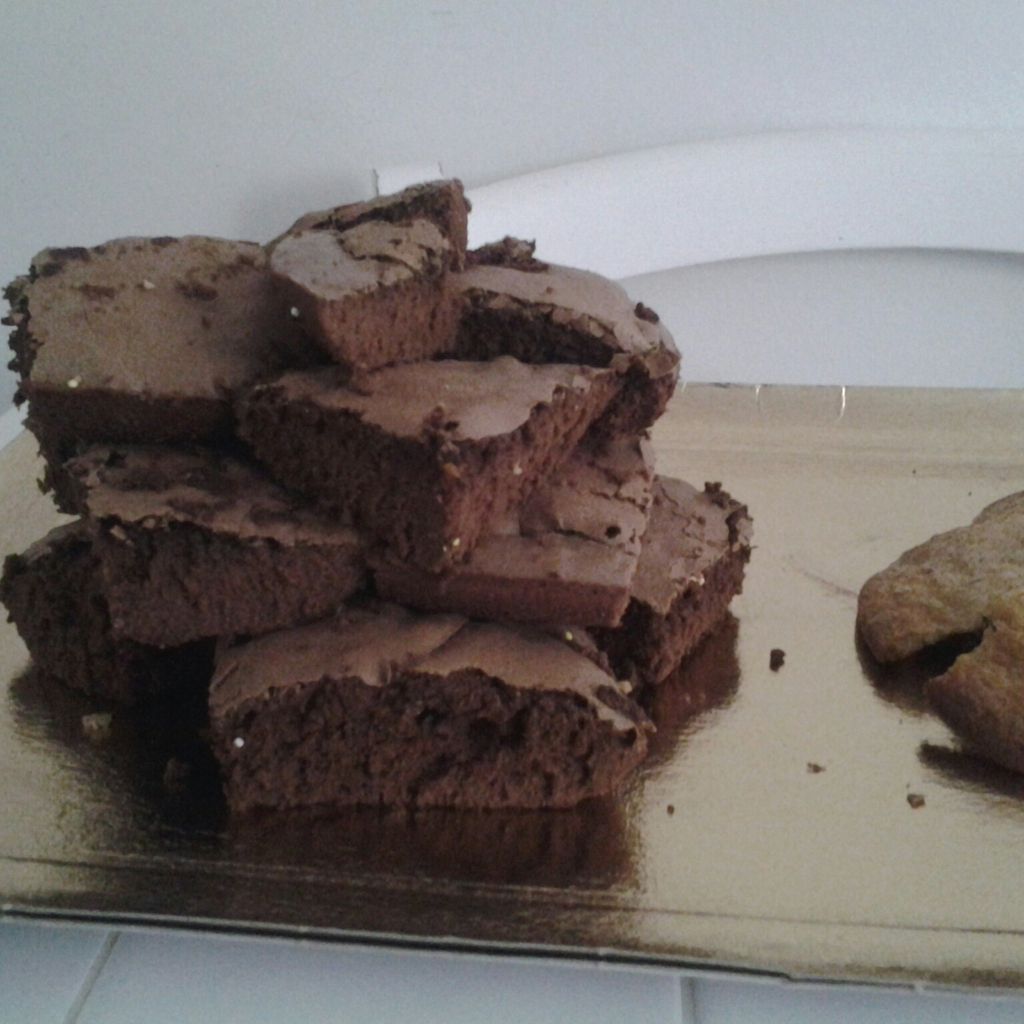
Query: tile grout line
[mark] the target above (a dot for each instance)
(697, 1015)
(91, 977)
(687, 1004)
(11, 425)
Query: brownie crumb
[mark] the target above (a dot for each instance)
(646, 313)
(814, 768)
(72, 252)
(516, 253)
(915, 800)
(716, 495)
(776, 659)
(197, 290)
(671, 809)
(97, 291)
(96, 727)
(57, 258)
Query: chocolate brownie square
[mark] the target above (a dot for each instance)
(142, 340)
(381, 706)
(568, 555)
(691, 566)
(193, 543)
(55, 597)
(369, 281)
(429, 457)
(514, 304)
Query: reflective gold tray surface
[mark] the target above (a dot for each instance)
(770, 831)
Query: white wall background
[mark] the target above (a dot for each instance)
(229, 118)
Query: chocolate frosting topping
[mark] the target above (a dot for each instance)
(462, 400)
(373, 254)
(583, 526)
(374, 645)
(689, 531)
(441, 202)
(600, 496)
(155, 487)
(584, 301)
(186, 316)
(527, 659)
(371, 645)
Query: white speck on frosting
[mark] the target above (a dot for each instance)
(238, 742)
(148, 285)
(517, 470)
(74, 382)
(294, 312)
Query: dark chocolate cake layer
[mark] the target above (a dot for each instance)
(427, 458)
(196, 544)
(142, 340)
(694, 555)
(55, 597)
(385, 707)
(569, 555)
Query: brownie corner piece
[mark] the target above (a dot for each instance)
(142, 340)
(442, 203)
(426, 457)
(692, 565)
(54, 596)
(369, 282)
(457, 714)
(193, 543)
(569, 554)
(515, 304)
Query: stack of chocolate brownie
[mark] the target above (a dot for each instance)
(393, 501)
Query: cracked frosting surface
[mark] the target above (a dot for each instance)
(156, 487)
(585, 525)
(334, 264)
(577, 299)
(577, 539)
(189, 316)
(689, 532)
(375, 645)
(371, 645)
(441, 201)
(467, 401)
(603, 497)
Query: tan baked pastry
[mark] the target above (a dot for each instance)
(943, 587)
(981, 698)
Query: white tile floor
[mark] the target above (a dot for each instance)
(87, 975)
(753, 1002)
(44, 970)
(177, 978)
